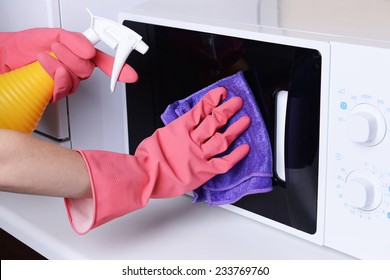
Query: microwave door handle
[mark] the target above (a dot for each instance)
(281, 98)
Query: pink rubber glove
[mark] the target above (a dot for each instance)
(175, 160)
(76, 57)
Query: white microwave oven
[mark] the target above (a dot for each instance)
(330, 62)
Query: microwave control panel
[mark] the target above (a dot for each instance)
(357, 219)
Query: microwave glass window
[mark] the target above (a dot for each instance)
(180, 62)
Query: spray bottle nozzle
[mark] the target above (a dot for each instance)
(117, 37)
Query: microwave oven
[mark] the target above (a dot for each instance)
(319, 73)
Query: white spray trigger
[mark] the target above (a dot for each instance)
(117, 37)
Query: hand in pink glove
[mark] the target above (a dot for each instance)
(175, 160)
(76, 57)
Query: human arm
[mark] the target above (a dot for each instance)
(32, 166)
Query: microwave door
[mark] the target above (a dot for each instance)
(180, 62)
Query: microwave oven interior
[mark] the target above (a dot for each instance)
(180, 62)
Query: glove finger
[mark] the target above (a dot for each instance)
(105, 63)
(224, 164)
(206, 105)
(49, 63)
(77, 43)
(64, 81)
(218, 118)
(64, 84)
(219, 142)
(80, 67)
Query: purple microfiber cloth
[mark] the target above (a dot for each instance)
(251, 175)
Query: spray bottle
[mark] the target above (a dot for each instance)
(25, 92)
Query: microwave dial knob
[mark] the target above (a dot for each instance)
(362, 190)
(366, 125)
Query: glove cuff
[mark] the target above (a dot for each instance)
(119, 186)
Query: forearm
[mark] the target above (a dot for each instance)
(32, 166)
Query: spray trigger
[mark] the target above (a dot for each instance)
(118, 37)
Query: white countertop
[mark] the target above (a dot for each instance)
(164, 229)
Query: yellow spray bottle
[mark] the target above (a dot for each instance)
(24, 95)
(25, 92)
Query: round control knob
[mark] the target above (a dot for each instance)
(366, 125)
(362, 190)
